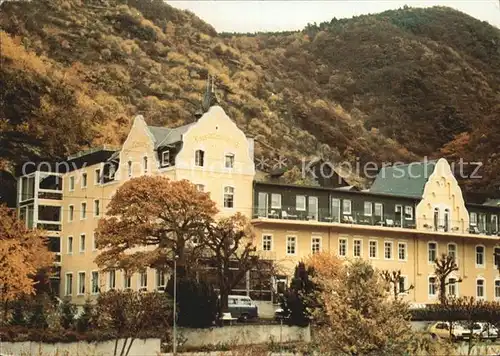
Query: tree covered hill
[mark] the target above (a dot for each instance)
(397, 85)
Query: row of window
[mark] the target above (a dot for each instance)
(480, 250)
(452, 287)
(343, 248)
(338, 205)
(82, 244)
(83, 210)
(480, 220)
(142, 282)
(84, 179)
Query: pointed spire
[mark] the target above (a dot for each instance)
(210, 98)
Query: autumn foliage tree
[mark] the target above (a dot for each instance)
(149, 221)
(23, 252)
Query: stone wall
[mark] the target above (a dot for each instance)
(243, 335)
(147, 347)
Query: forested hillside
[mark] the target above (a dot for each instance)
(392, 86)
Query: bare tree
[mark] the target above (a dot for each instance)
(393, 279)
(445, 266)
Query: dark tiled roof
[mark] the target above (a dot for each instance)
(406, 180)
(165, 136)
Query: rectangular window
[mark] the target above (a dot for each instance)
(402, 284)
(165, 158)
(379, 210)
(480, 256)
(452, 287)
(127, 281)
(84, 180)
(408, 212)
(111, 280)
(95, 282)
(199, 158)
(494, 223)
(497, 289)
(97, 177)
(143, 279)
(336, 210)
(431, 252)
(71, 183)
(70, 245)
(81, 283)
(388, 250)
(145, 164)
(94, 243)
(267, 243)
(229, 160)
(69, 284)
(275, 201)
(200, 187)
(452, 251)
(129, 169)
(228, 197)
(161, 280)
(432, 286)
(368, 208)
(82, 243)
(300, 202)
(83, 211)
(97, 208)
(402, 253)
(373, 248)
(291, 245)
(480, 288)
(316, 245)
(473, 219)
(496, 255)
(346, 207)
(343, 247)
(356, 246)
(71, 213)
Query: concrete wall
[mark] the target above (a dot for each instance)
(147, 347)
(244, 335)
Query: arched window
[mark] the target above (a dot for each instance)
(436, 218)
(446, 220)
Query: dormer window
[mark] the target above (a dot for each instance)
(229, 160)
(199, 158)
(165, 158)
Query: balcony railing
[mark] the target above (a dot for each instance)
(325, 215)
(53, 195)
(484, 229)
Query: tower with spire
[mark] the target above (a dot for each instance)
(209, 98)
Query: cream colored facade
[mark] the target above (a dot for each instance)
(228, 168)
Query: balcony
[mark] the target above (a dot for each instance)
(326, 216)
(487, 229)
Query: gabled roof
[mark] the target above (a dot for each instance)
(406, 180)
(165, 136)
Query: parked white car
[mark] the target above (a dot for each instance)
(485, 331)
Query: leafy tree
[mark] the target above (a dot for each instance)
(84, 321)
(127, 314)
(22, 253)
(153, 212)
(38, 318)
(197, 302)
(18, 317)
(297, 299)
(360, 318)
(393, 279)
(229, 241)
(68, 312)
